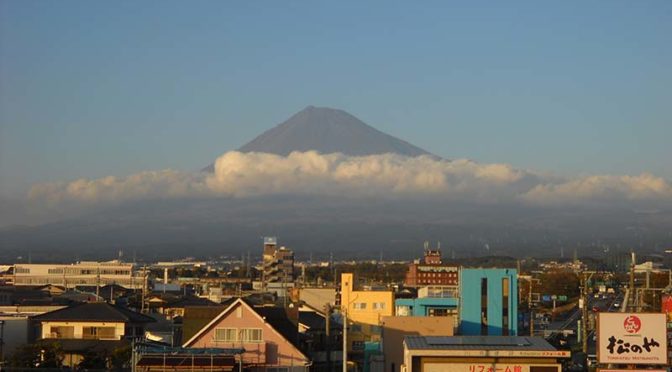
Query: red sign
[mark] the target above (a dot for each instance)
(632, 324)
(667, 306)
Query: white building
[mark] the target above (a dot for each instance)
(85, 273)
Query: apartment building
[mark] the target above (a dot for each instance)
(431, 271)
(278, 263)
(84, 273)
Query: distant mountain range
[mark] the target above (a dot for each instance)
(349, 227)
(327, 130)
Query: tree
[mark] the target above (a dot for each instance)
(121, 357)
(38, 355)
(93, 360)
(560, 282)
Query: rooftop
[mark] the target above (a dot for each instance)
(478, 343)
(95, 312)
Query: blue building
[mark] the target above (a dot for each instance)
(488, 302)
(431, 301)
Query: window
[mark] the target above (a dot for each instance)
(505, 306)
(98, 333)
(22, 270)
(378, 306)
(359, 306)
(55, 271)
(226, 334)
(251, 335)
(484, 306)
(62, 332)
(438, 312)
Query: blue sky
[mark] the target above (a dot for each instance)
(89, 89)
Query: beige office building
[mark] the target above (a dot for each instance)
(85, 273)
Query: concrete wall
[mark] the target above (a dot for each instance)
(371, 315)
(16, 333)
(421, 306)
(395, 328)
(79, 328)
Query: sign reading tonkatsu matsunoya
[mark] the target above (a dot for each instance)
(632, 338)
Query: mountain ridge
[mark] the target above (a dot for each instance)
(328, 130)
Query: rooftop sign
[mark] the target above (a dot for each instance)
(631, 338)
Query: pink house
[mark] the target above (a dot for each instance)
(269, 338)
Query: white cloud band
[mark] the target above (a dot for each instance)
(239, 174)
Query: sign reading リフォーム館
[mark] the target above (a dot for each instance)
(632, 338)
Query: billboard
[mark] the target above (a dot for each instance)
(489, 367)
(631, 338)
(667, 306)
(631, 370)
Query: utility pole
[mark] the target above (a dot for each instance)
(529, 306)
(2, 343)
(327, 311)
(345, 340)
(632, 278)
(144, 288)
(584, 314)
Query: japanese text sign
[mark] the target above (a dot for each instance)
(632, 338)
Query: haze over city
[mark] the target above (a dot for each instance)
(498, 125)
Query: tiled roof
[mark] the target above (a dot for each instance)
(95, 312)
(195, 318)
(312, 320)
(277, 318)
(191, 301)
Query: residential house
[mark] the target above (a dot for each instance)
(91, 327)
(270, 339)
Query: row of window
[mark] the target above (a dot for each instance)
(88, 333)
(243, 335)
(434, 281)
(76, 271)
(374, 305)
(76, 281)
(437, 275)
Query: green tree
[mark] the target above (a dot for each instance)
(560, 282)
(121, 357)
(38, 355)
(93, 360)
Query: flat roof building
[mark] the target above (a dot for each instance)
(84, 273)
(431, 271)
(481, 353)
(488, 302)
